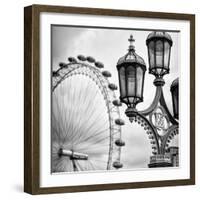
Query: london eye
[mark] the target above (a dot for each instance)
(86, 123)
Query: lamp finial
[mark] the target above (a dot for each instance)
(131, 46)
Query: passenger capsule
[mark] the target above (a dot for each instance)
(175, 132)
(117, 165)
(90, 59)
(99, 64)
(151, 137)
(119, 122)
(117, 102)
(72, 59)
(55, 74)
(107, 74)
(112, 86)
(62, 64)
(120, 142)
(81, 57)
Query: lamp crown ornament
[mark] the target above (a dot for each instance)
(159, 35)
(131, 56)
(131, 46)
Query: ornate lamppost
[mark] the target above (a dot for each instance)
(157, 120)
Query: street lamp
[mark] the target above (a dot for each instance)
(156, 120)
(159, 49)
(131, 69)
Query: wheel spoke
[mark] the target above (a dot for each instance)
(82, 115)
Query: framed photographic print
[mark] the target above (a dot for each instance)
(109, 99)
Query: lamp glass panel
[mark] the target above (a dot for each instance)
(139, 81)
(122, 82)
(131, 80)
(167, 54)
(151, 54)
(159, 55)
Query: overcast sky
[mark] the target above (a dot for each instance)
(107, 46)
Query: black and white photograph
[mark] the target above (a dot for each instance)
(114, 99)
(109, 99)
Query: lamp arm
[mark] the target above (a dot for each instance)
(154, 103)
(163, 103)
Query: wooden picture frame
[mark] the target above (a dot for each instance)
(32, 106)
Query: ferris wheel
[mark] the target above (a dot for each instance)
(86, 123)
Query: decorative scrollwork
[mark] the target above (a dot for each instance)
(172, 132)
(150, 130)
(160, 126)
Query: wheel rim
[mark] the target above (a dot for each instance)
(86, 124)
